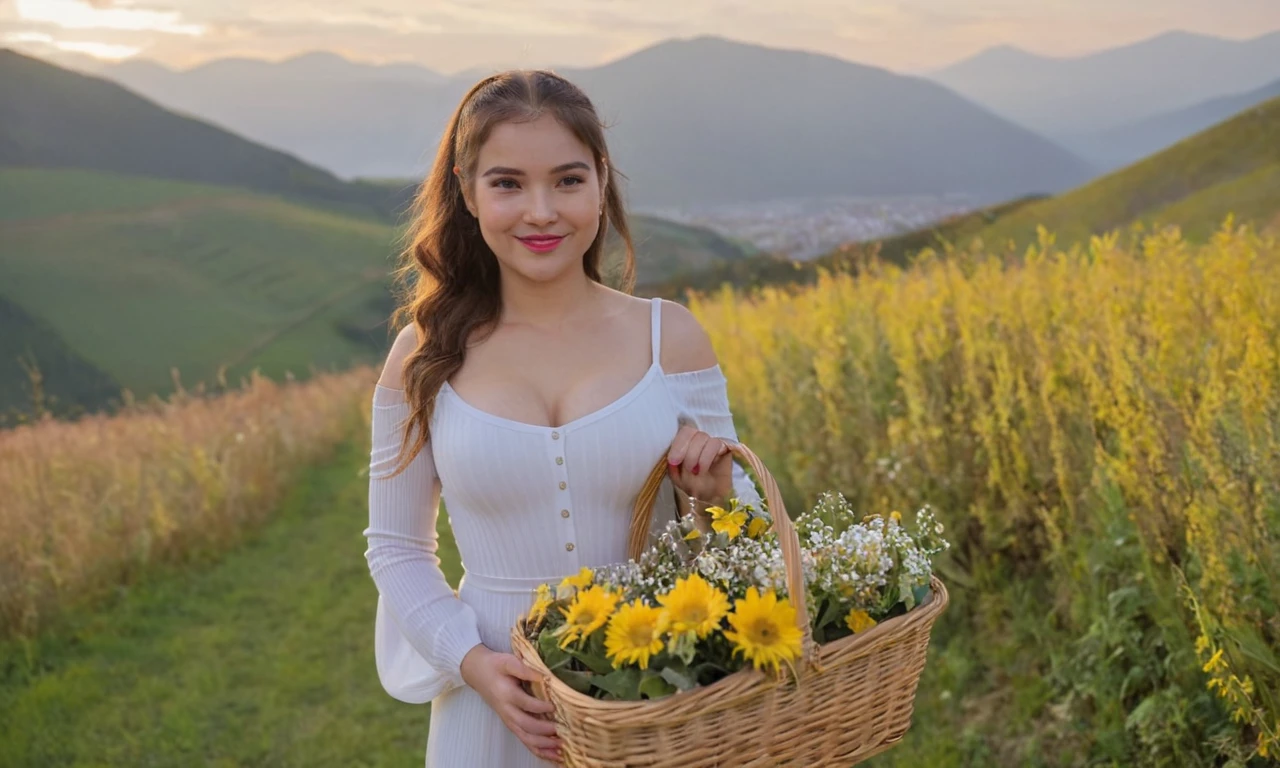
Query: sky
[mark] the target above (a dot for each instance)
(908, 36)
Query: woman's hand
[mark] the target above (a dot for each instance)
(701, 465)
(496, 677)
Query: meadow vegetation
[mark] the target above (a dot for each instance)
(1100, 427)
(91, 505)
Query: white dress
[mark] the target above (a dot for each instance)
(527, 504)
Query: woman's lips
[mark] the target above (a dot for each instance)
(541, 243)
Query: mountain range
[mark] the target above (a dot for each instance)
(1231, 169)
(1098, 105)
(56, 118)
(136, 243)
(1123, 145)
(702, 120)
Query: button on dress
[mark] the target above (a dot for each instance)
(527, 504)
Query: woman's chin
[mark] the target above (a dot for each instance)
(547, 268)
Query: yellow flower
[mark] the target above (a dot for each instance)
(540, 604)
(582, 580)
(695, 606)
(635, 633)
(764, 629)
(757, 527)
(723, 521)
(588, 612)
(859, 621)
(1215, 663)
(895, 516)
(694, 534)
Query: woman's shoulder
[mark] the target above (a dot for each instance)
(686, 347)
(392, 376)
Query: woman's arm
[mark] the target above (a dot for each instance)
(403, 561)
(698, 384)
(402, 534)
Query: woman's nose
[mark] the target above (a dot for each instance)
(541, 209)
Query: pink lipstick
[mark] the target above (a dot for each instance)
(541, 243)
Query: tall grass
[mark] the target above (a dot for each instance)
(1102, 424)
(86, 506)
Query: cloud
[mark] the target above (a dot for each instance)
(450, 35)
(75, 14)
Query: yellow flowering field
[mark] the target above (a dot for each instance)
(1099, 426)
(89, 504)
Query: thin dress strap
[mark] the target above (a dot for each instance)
(655, 326)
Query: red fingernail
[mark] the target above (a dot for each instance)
(695, 469)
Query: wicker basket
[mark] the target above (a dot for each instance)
(852, 699)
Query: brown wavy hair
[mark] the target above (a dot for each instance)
(448, 279)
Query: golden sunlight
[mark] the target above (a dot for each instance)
(73, 14)
(108, 51)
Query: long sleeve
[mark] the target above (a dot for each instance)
(402, 546)
(703, 399)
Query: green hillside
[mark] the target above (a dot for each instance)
(667, 250)
(137, 276)
(1233, 167)
(39, 372)
(120, 279)
(56, 118)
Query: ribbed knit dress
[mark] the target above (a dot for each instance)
(527, 504)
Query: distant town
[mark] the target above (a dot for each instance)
(805, 228)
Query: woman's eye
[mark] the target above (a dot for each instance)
(575, 179)
(503, 183)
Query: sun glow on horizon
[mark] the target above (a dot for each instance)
(74, 14)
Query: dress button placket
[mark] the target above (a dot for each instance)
(556, 447)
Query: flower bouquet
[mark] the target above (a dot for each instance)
(742, 637)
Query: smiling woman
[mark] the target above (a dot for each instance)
(542, 207)
(530, 397)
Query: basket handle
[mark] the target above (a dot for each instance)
(787, 536)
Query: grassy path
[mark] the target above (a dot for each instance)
(265, 658)
(262, 659)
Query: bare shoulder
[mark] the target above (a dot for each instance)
(685, 343)
(393, 371)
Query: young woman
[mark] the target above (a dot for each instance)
(529, 396)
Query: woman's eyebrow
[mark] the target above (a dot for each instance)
(499, 170)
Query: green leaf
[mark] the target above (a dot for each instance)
(832, 612)
(683, 647)
(622, 683)
(595, 662)
(904, 589)
(921, 592)
(578, 681)
(652, 686)
(679, 675)
(550, 652)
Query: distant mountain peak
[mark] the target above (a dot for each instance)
(710, 48)
(997, 57)
(1007, 51)
(317, 57)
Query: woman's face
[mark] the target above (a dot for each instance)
(537, 195)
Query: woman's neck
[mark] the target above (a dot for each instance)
(550, 305)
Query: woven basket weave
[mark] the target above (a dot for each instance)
(852, 698)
